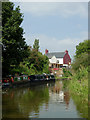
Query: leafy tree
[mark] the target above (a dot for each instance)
(36, 62)
(82, 48)
(36, 44)
(81, 57)
(80, 61)
(14, 47)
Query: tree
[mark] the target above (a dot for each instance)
(36, 44)
(36, 62)
(14, 47)
(81, 57)
(82, 48)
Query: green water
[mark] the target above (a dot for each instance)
(51, 100)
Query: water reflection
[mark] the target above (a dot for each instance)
(25, 101)
(67, 98)
(58, 95)
(38, 101)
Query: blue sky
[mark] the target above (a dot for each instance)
(58, 26)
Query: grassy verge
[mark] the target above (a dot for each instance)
(79, 91)
(57, 77)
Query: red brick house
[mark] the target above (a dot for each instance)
(58, 59)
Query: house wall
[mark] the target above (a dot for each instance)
(66, 59)
(60, 60)
(54, 60)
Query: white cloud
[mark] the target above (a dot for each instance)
(61, 8)
(54, 44)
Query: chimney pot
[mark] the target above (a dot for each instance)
(66, 51)
(46, 51)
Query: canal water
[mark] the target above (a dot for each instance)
(50, 100)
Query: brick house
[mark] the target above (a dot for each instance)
(58, 60)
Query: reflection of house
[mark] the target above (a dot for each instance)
(56, 94)
(58, 59)
(56, 97)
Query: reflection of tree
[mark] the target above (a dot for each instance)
(9, 106)
(81, 104)
(33, 99)
(66, 98)
(25, 101)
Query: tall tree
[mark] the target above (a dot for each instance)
(36, 44)
(14, 47)
(81, 57)
(83, 47)
(36, 62)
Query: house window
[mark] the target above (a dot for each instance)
(57, 61)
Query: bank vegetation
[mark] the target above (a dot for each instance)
(79, 83)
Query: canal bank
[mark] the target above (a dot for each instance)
(79, 93)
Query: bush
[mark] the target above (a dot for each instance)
(81, 61)
(66, 73)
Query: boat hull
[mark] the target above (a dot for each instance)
(33, 80)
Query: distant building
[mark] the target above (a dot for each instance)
(58, 59)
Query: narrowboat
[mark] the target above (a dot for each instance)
(26, 80)
(16, 81)
(42, 77)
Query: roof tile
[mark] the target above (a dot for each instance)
(56, 54)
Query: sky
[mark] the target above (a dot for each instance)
(57, 25)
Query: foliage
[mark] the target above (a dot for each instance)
(81, 74)
(81, 102)
(79, 87)
(36, 44)
(79, 83)
(45, 69)
(83, 47)
(66, 73)
(81, 61)
(81, 57)
(80, 65)
(16, 55)
(37, 63)
(14, 47)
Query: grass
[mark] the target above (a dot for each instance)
(57, 77)
(79, 90)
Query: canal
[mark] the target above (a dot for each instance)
(50, 100)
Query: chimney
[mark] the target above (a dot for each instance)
(46, 51)
(66, 51)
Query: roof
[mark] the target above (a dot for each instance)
(56, 54)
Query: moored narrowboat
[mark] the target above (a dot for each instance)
(42, 77)
(26, 80)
